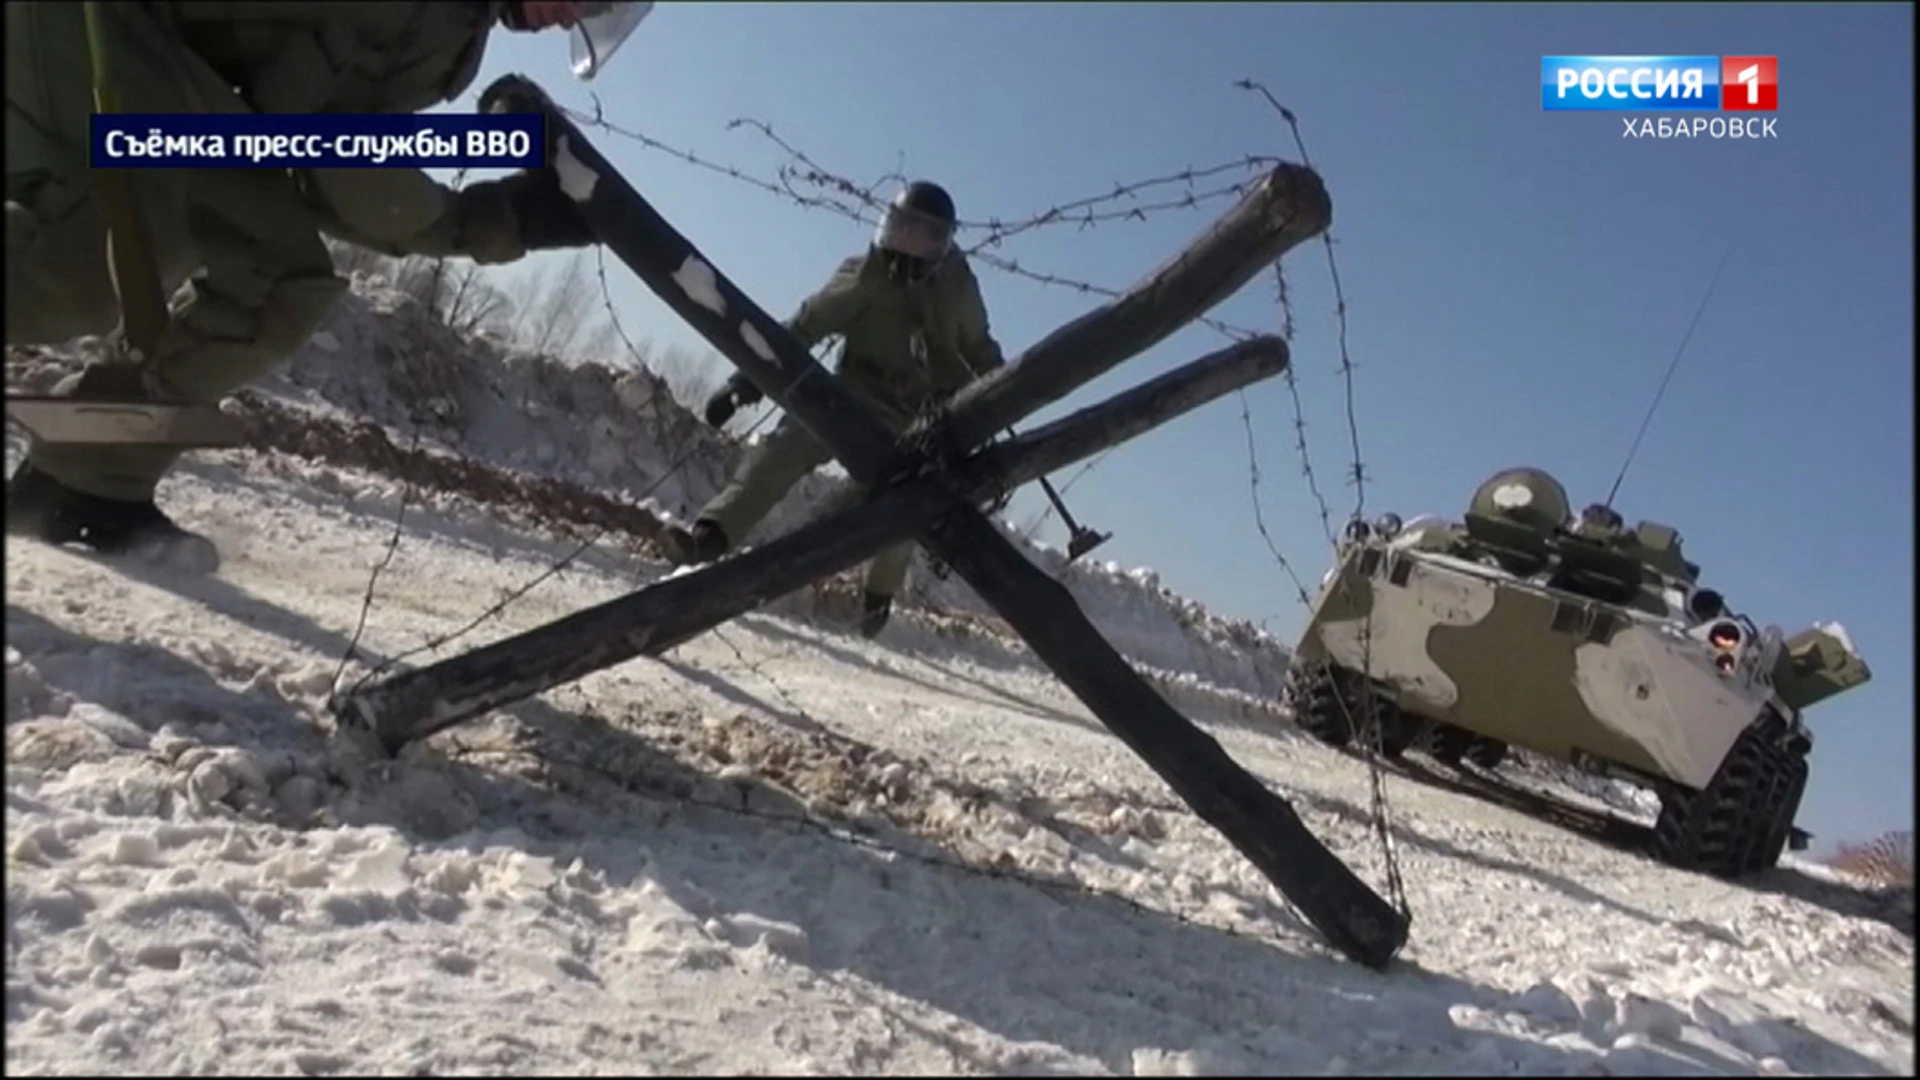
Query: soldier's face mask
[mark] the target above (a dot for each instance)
(905, 268)
(914, 235)
(595, 30)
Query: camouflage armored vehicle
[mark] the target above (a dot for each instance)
(1580, 640)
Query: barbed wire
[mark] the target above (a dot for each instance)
(559, 566)
(1370, 725)
(803, 171)
(1358, 478)
(803, 181)
(379, 567)
(1259, 516)
(832, 188)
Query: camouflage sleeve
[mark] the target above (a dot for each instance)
(977, 345)
(300, 50)
(832, 309)
(403, 212)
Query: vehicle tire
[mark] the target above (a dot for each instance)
(1725, 829)
(1487, 753)
(1315, 695)
(1398, 732)
(1330, 703)
(1449, 743)
(1789, 784)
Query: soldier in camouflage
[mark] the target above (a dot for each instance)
(245, 243)
(915, 330)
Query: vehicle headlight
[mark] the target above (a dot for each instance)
(1726, 639)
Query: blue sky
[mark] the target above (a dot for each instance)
(1517, 280)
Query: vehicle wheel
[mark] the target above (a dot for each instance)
(1449, 743)
(1487, 753)
(1329, 703)
(1789, 784)
(1398, 732)
(1724, 829)
(1315, 695)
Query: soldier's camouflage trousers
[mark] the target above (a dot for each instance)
(267, 278)
(770, 470)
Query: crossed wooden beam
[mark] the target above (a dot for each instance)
(927, 485)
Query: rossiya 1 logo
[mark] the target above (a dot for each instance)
(1746, 86)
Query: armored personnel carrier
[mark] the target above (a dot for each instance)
(1578, 639)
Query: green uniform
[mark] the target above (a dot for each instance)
(245, 243)
(907, 348)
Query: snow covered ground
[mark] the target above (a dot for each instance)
(782, 848)
(200, 880)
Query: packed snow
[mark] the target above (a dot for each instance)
(781, 848)
(1840, 634)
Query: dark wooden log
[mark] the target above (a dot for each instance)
(414, 704)
(1289, 206)
(1127, 415)
(1255, 820)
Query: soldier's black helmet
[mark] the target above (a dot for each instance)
(929, 198)
(917, 230)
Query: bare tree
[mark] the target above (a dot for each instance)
(455, 292)
(1887, 859)
(561, 305)
(604, 343)
(468, 302)
(690, 377)
(561, 312)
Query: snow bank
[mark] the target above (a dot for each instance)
(621, 431)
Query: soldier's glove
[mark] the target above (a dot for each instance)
(720, 408)
(547, 217)
(737, 392)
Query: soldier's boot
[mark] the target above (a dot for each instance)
(876, 608)
(40, 507)
(705, 542)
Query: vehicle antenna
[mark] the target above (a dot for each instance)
(1672, 365)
